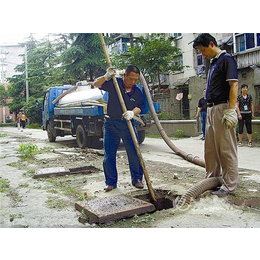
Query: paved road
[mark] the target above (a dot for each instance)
(248, 158)
(158, 150)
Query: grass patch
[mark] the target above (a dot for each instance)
(3, 135)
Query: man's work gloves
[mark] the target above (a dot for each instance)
(110, 73)
(230, 118)
(128, 115)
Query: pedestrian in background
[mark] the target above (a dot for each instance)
(23, 120)
(221, 95)
(116, 127)
(202, 112)
(245, 110)
(18, 120)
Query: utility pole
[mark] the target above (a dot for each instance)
(26, 74)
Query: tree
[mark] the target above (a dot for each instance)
(84, 60)
(154, 56)
(43, 62)
(3, 96)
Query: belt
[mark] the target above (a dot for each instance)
(108, 118)
(211, 104)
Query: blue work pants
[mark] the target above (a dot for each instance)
(203, 118)
(114, 131)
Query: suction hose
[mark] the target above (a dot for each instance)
(203, 185)
(186, 156)
(199, 188)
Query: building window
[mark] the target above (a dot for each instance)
(175, 35)
(246, 41)
(258, 39)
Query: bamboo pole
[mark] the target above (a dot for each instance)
(129, 124)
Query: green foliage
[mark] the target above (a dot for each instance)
(164, 116)
(4, 184)
(3, 96)
(154, 56)
(28, 150)
(255, 136)
(33, 112)
(179, 133)
(85, 57)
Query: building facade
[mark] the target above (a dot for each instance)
(10, 57)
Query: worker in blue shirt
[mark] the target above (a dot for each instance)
(116, 126)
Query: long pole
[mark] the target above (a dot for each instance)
(129, 124)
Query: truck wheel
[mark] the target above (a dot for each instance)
(51, 136)
(81, 137)
(141, 136)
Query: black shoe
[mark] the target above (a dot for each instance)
(220, 192)
(138, 184)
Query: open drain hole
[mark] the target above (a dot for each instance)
(165, 199)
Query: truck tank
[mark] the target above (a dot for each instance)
(81, 96)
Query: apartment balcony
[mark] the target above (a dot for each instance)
(248, 58)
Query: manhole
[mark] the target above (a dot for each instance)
(118, 207)
(165, 199)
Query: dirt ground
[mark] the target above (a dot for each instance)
(30, 202)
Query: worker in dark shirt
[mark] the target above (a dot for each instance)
(116, 126)
(221, 94)
(202, 112)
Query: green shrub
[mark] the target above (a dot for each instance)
(179, 133)
(27, 150)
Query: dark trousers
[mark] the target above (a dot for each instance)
(203, 118)
(23, 123)
(247, 119)
(115, 130)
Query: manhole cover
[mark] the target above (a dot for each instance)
(113, 208)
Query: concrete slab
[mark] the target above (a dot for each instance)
(60, 171)
(113, 208)
(47, 172)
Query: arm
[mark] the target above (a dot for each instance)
(109, 74)
(252, 109)
(99, 82)
(230, 115)
(198, 112)
(238, 111)
(136, 111)
(233, 94)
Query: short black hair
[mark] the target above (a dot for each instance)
(132, 68)
(204, 40)
(244, 85)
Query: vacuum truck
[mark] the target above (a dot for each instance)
(80, 111)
